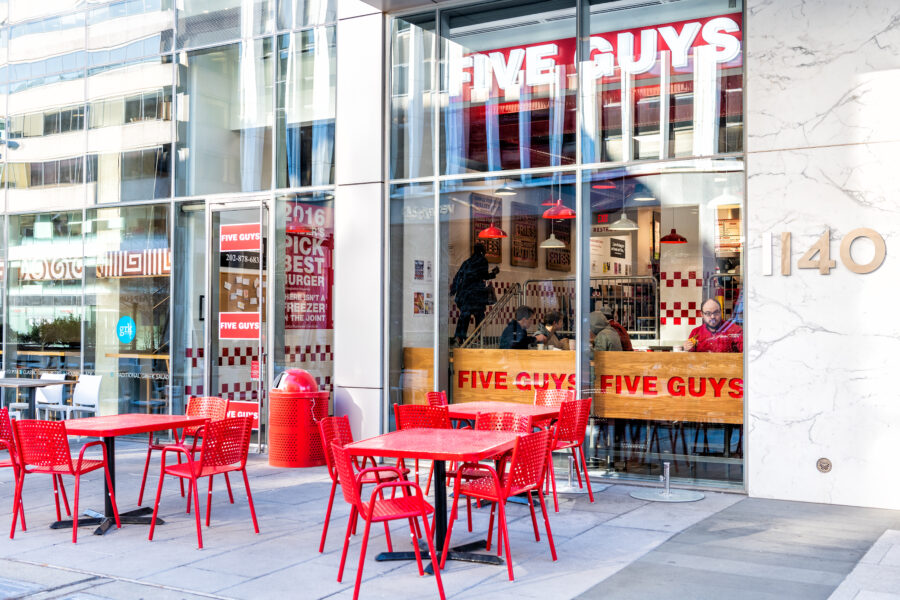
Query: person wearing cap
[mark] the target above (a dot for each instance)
(715, 335)
(623, 334)
(605, 337)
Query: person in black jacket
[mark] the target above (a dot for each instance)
(515, 336)
(472, 295)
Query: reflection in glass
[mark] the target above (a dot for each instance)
(130, 131)
(129, 29)
(412, 304)
(203, 22)
(126, 331)
(304, 280)
(293, 14)
(306, 105)
(44, 286)
(412, 96)
(670, 88)
(668, 298)
(224, 118)
(509, 86)
(189, 302)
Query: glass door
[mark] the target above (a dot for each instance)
(237, 340)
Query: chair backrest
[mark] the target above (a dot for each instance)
(42, 445)
(343, 463)
(552, 397)
(436, 398)
(51, 394)
(226, 442)
(503, 421)
(573, 420)
(529, 461)
(421, 416)
(334, 430)
(87, 390)
(6, 433)
(211, 407)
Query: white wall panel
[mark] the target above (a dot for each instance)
(363, 407)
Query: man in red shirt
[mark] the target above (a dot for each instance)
(715, 335)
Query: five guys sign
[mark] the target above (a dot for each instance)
(632, 52)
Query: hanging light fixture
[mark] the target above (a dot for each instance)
(558, 211)
(505, 190)
(623, 223)
(493, 232)
(552, 241)
(604, 185)
(673, 237)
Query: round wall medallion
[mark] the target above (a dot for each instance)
(823, 465)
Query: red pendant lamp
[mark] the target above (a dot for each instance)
(673, 237)
(604, 185)
(492, 233)
(558, 211)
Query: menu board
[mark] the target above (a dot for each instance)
(524, 244)
(486, 210)
(560, 259)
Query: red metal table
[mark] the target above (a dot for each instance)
(469, 410)
(439, 445)
(108, 428)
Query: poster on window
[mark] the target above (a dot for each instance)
(308, 267)
(560, 259)
(523, 252)
(487, 211)
(616, 248)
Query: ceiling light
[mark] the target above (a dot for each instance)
(673, 238)
(623, 224)
(492, 233)
(505, 190)
(558, 211)
(553, 242)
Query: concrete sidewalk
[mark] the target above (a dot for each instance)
(725, 546)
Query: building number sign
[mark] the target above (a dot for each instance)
(818, 256)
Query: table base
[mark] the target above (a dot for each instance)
(103, 523)
(463, 553)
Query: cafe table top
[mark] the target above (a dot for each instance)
(469, 410)
(25, 382)
(129, 424)
(465, 445)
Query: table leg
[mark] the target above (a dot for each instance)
(105, 521)
(464, 552)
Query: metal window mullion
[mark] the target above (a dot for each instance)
(665, 98)
(440, 349)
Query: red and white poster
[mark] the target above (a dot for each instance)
(244, 409)
(238, 326)
(309, 268)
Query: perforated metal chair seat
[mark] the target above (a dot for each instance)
(398, 508)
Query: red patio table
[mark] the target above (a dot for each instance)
(469, 410)
(108, 428)
(439, 445)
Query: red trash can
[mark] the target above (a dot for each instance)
(294, 439)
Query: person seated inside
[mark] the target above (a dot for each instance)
(715, 335)
(553, 322)
(515, 336)
(623, 334)
(605, 337)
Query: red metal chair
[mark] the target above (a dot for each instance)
(421, 416)
(569, 434)
(381, 510)
(224, 449)
(553, 398)
(336, 430)
(43, 447)
(526, 474)
(211, 407)
(436, 398)
(504, 421)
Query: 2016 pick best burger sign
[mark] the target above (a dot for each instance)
(630, 52)
(308, 266)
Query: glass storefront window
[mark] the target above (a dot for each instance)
(508, 88)
(294, 14)
(304, 279)
(413, 271)
(663, 81)
(666, 270)
(224, 115)
(189, 302)
(129, 29)
(204, 22)
(306, 108)
(127, 286)
(412, 96)
(44, 287)
(130, 131)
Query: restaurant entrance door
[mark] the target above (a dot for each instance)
(237, 339)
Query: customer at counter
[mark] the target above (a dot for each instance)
(605, 337)
(715, 335)
(553, 322)
(515, 336)
(623, 334)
